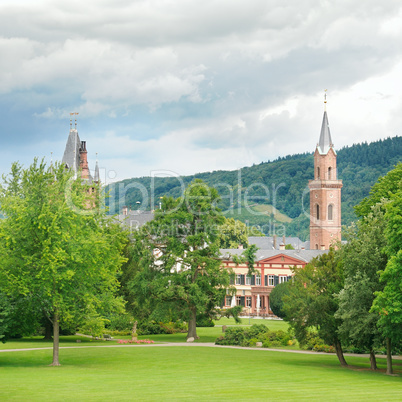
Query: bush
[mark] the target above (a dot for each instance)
(204, 321)
(154, 328)
(275, 338)
(241, 336)
(324, 348)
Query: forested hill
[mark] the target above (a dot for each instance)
(249, 194)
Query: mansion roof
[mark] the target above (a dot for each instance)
(301, 255)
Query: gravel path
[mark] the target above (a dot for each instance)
(209, 345)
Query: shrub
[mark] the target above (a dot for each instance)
(153, 327)
(241, 336)
(324, 348)
(204, 321)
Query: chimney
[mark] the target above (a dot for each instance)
(240, 247)
(125, 210)
(323, 247)
(274, 242)
(282, 246)
(84, 160)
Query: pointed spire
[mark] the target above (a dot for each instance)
(96, 176)
(325, 142)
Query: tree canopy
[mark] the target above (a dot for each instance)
(57, 248)
(178, 256)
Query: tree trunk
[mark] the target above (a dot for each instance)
(56, 330)
(192, 329)
(373, 362)
(339, 353)
(48, 330)
(389, 357)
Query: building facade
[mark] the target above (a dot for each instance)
(272, 267)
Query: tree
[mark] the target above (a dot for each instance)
(388, 301)
(362, 257)
(312, 302)
(178, 255)
(232, 234)
(56, 246)
(276, 299)
(382, 189)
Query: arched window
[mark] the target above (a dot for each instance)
(329, 173)
(330, 212)
(316, 246)
(318, 173)
(317, 211)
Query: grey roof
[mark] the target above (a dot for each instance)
(303, 255)
(267, 242)
(136, 219)
(71, 157)
(325, 142)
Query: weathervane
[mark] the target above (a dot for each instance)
(325, 100)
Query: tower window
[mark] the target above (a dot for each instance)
(329, 173)
(318, 173)
(317, 211)
(330, 212)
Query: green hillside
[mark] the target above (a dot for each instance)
(272, 194)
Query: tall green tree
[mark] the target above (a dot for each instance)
(362, 257)
(56, 246)
(388, 301)
(312, 300)
(178, 253)
(276, 301)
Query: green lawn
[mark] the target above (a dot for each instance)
(189, 373)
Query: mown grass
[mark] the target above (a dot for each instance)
(122, 373)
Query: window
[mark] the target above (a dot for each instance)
(329, 173)
(283, 279)
(248, 280)
(318, 173)
(228, 300)
(238, 279)
(317, 210)
(271, 280)
(258, 280)
(330, 212)
(248, 301)
(240, 301)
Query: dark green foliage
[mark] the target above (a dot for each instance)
(312, 300)
(362, 258)
(249, 336)
(155, 328)
(204, 320)
(276, 299)
(281, 183)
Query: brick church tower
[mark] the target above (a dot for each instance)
(325, 193)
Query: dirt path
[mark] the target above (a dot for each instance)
(209, 345)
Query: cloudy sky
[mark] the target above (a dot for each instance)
(191, 86)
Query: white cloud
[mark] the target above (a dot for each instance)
(194, 86)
